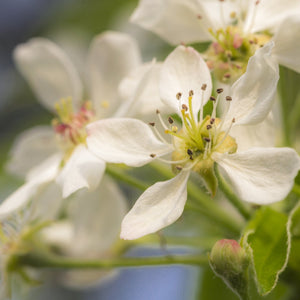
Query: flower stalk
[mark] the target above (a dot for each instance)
(41, 261)
(234, 200)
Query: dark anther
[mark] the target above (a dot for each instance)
(203, 87)
(170, 120)
(206, 139)
(220, 90)
(152, 124)
(178, 96)
(152, 155)
(227, 75)
(191, 93)
(208, 127)
(184, 107)
(189, 152)
(157, 111)
(212, 98)
(179, 168)
(228, 98)
(212, 121)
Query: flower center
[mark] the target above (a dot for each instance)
(200, 137)
(228, 55)
(69, 126)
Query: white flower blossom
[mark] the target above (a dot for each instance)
(258, 175)
(236, 28)
(44, 154)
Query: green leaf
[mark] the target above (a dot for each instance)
(212, 287)
(268, 239)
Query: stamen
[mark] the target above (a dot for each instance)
(215, 105)
(205, 151)
(189, 152)
(170, 120)
(184, 107)
(178, 96)
(152, 155)
(191, 166)
(253, 15)
(211, 98)
(160, 136)
(161, 120)
(204, 86)
(220, 90)
(228, 98)
(226, 133)
(152, 124)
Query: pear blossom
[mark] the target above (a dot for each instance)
(235, 28)
(59, 154)
(257, 175)
(89, 231)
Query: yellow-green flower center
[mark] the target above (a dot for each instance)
(198, 138)
(228, 55)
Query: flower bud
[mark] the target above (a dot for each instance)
(230, 262)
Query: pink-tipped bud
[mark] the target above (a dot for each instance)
(230, 261)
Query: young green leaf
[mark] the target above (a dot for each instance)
(268, 239)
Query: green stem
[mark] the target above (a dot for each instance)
(296, 189)
(57, 262)
(119, 175)
(284, 107)
(209, 208)
(203, 243)
(231, 196)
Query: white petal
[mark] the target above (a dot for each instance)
(269, 14)
(47, 170)
(18, 199)
(175, 21)
(140, 92)
(127, 141)
(219, 12)
(259, 135)
(287, 43)
(47, 203)
(82, 170)
(97, 218)
(261, 175)
(48, 71)
(38, 178)
(111, 57)
(253, 93)
(184, 70)
(30, 148)
(159, 206)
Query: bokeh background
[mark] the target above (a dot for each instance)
(72, 24)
